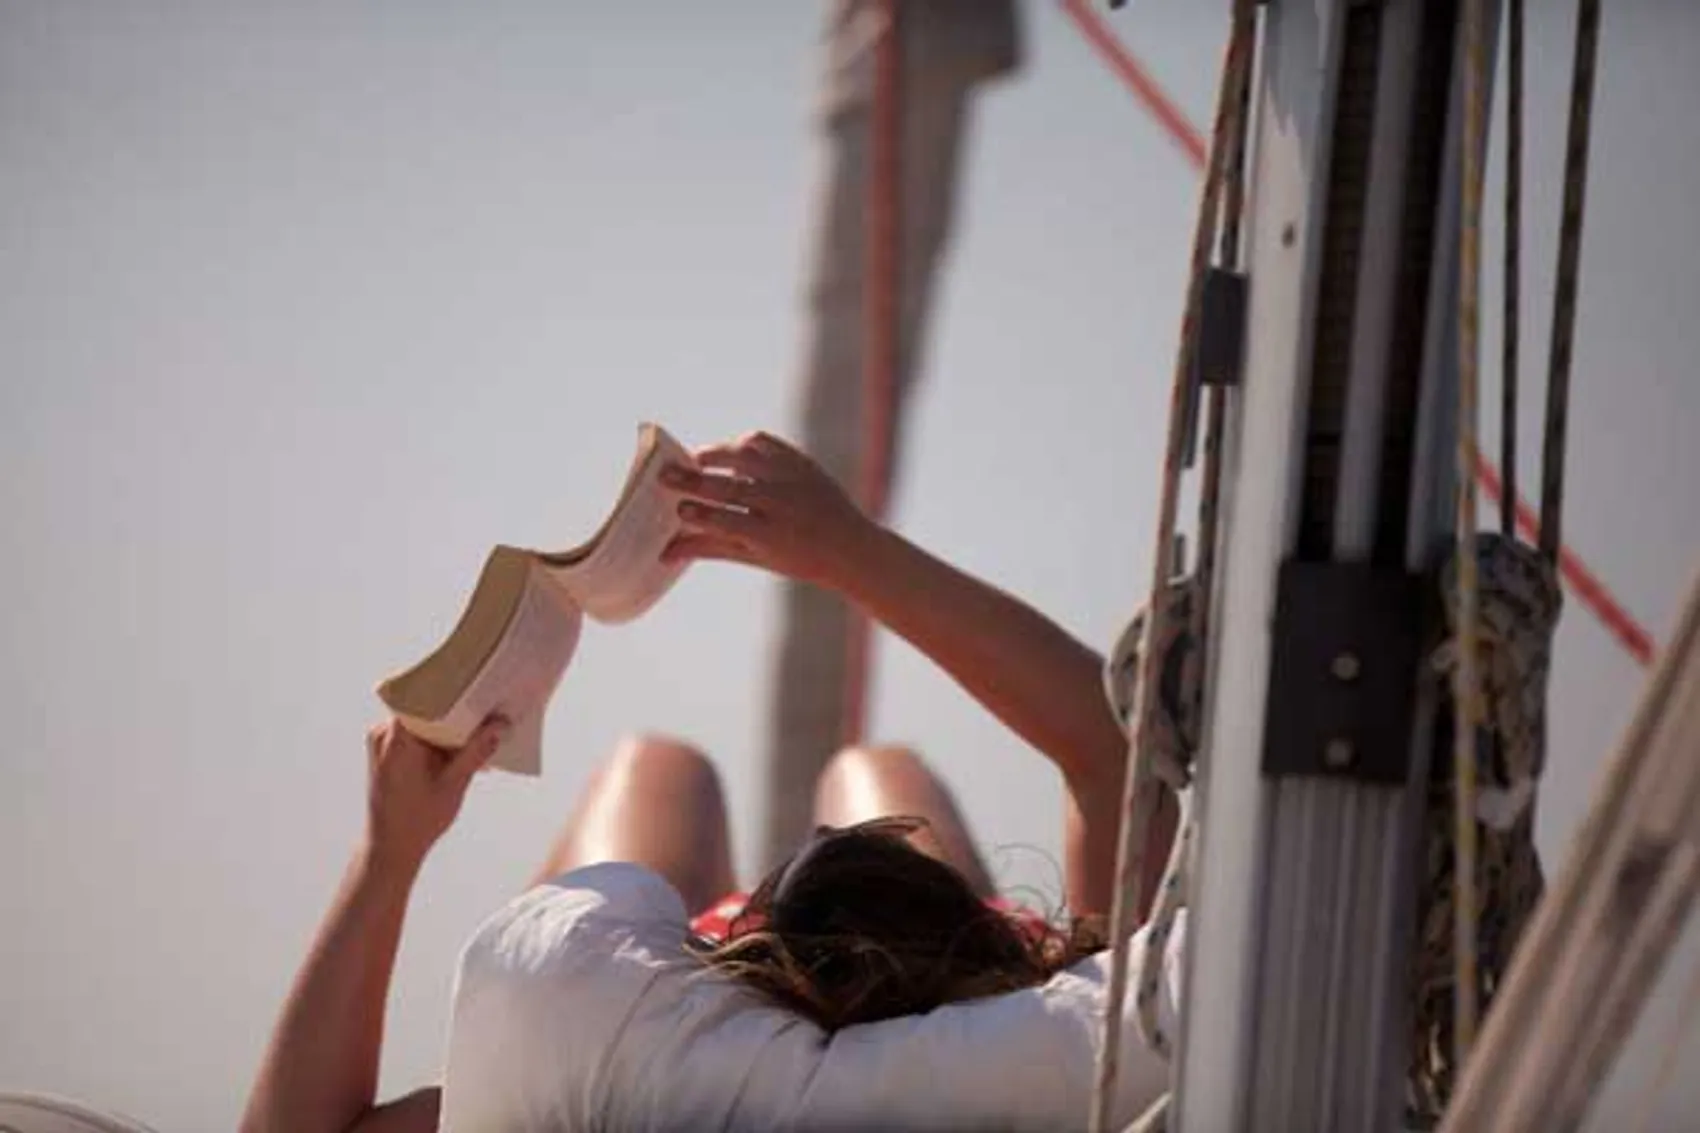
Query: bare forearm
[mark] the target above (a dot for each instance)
(758, 500)
(1032, 675)
(1028, 672)
(320, 1072)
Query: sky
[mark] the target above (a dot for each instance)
(304, 306)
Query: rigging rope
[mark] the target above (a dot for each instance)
(1518, 586)
(882, 331)
(1614, 914)
(1509, 334)
(1171, 751)
(1139, 792)
(1583, 582)
(1466, 680)
(1228, 255)
(1181, 712)
(1569, 272)
(1517, 638)
(1467, 688)
(1519, 606)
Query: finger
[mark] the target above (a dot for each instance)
(479, 748)
(712, 486)
(770, 444)
(702, 547)
(725, 522)
(743, 457)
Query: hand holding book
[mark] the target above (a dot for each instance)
(414, 791)
(760, 501)
(521, 626)
(756, 500)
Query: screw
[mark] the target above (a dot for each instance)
(1288, 235)
(1338, 754)
(1346, 667)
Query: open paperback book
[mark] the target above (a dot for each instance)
(520, 627)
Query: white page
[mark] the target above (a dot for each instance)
(624, 576)
(517, 679)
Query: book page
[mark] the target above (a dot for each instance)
(621, 575)
(517, 680)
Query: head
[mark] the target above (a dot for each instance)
(859, 926)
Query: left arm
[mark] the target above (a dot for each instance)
(320, 1072)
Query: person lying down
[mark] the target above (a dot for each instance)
(875, 980)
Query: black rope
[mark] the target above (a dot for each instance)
(1568, 275)
(1509, 330)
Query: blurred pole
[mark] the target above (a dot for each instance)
(882, 286)
(948, 49)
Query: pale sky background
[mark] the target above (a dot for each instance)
(304, 306)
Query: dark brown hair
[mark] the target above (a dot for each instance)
(860, 926)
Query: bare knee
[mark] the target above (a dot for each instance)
(867, 780)
(656, 762)
(655, 801)
(875, 761)
(655, 775)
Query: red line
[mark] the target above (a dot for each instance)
(1182, 132)
(1583, 582)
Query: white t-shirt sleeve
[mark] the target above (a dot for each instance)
(537, 1000)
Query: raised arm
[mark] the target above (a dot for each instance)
(320, 1073)
(762, 502)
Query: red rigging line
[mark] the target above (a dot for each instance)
(1583, 582)
(1129, 70)
(882, 229)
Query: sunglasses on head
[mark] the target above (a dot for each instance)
(893, 826)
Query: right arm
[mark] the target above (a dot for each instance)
(1035, 677)
(1025, 669)
(779, 510)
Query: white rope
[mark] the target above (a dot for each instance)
(1165, 915)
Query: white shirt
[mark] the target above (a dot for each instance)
(577, 1008)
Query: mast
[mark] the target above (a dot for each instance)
(1338, 493)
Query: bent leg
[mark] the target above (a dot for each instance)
(862, 783)
(656, 802)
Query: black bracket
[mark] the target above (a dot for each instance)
(1343, 681)
(1218, 348)
(1220, 357)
